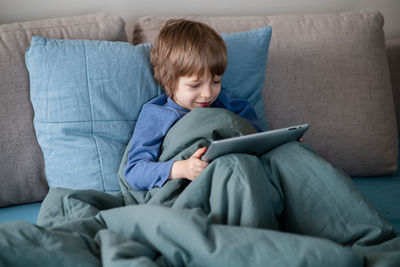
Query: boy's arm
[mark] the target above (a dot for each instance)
(143, 171)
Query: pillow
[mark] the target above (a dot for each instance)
(22, 176)
(87, 96)
(245, 74)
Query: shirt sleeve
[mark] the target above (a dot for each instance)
(143, 171)
(240, 107)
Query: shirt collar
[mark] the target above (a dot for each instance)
(171, 103)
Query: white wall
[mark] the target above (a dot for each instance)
(130, 10)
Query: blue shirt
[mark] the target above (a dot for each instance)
(143, 171)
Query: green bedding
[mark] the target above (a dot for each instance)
(286, 208)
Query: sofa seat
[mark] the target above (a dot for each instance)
(26, 212)
(383, 193)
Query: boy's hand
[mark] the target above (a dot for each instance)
(191, 167)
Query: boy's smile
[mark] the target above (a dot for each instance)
(192, 91)
(204, 104)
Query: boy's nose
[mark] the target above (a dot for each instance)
(206, 92)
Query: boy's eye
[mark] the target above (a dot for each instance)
(195, 85)
(217, 81)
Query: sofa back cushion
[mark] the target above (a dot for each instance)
(329, 70)
(22, 177)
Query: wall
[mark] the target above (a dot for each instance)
(130, 10)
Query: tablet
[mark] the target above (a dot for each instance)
(255, 144)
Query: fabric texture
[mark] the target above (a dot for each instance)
(242, 210)
(328, 70)
(82, 91)
(87, 96)
(22, 178)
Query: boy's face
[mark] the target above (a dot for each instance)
(197, 92)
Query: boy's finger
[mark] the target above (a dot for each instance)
(199, 152)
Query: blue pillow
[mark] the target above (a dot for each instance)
(87, 95)
(245, 74)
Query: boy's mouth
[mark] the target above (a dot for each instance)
(203, 104)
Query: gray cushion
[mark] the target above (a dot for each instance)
(393, 51)
(22, 177)
(329, 70)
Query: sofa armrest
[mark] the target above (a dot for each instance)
(393, 52)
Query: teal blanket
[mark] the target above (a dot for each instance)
(286, 208)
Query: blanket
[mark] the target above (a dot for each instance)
(235, 213)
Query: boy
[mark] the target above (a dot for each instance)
(307, 195)
(189, 59)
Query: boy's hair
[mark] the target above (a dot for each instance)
(186, 48)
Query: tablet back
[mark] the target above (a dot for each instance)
(256, 144)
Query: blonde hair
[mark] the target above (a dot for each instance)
(186, 48)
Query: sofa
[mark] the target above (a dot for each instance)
(336, 72)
